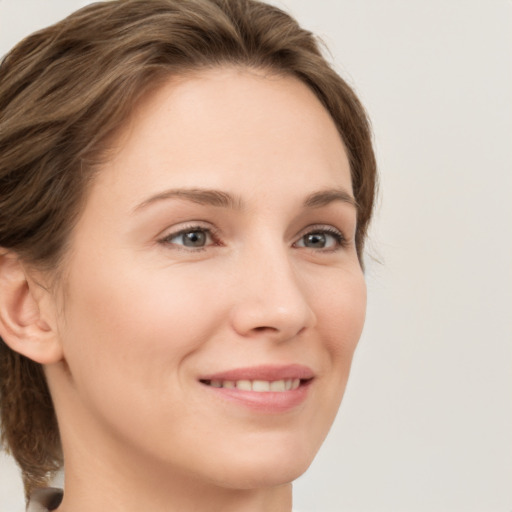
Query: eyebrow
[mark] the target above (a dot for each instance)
(325, 197)
(196, 195)
(222, 199)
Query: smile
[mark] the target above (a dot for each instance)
(268, 389)
(260, 386)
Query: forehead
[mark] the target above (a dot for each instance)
(228, 128)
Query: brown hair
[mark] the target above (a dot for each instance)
(66, 89)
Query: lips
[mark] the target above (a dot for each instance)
(270, 389)
(263, 372)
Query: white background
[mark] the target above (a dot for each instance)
(426, 423)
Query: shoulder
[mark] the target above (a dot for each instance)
(44, 500)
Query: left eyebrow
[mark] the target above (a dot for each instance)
(209, 197)
(325, 197)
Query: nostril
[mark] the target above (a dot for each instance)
(264, 328)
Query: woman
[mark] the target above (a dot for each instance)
(185, 192)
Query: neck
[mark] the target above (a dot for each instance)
(176, 495)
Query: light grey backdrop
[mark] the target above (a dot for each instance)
(426, 423)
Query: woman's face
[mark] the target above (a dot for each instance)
(213, 295)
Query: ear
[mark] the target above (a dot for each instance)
(27, 319)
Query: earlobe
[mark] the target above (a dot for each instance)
(25, 325)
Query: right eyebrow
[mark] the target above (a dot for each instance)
(325, 197)
(209, 197)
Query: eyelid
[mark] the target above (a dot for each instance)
(192, 226)
(341, 240)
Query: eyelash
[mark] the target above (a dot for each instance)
(340, 240)
(211, 233)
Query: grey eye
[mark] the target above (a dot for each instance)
(315, 240)
(196, 238)
(321, 239)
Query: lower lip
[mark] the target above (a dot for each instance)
(264, 401)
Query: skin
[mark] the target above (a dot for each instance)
(140, 316)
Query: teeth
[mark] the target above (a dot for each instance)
(277, 385)
(244, 385)
(260, 386)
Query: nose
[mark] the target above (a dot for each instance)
(271, 300)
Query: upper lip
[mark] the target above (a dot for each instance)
(263, 372)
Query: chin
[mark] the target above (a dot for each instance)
(272, 475)
(270, 468)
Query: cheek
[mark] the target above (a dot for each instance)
(341, 312)
(133, 328)
(340, 308)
